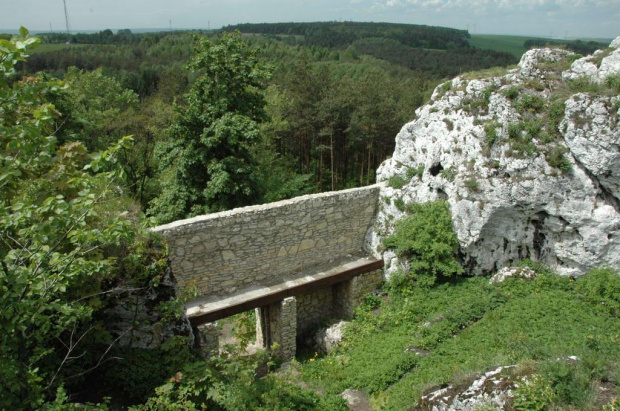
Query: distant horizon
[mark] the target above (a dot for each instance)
(536, 18)
(165, 29)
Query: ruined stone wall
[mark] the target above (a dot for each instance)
(338, 301)
(314, 307)
(221, 252)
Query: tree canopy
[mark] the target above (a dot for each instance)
(208, 157)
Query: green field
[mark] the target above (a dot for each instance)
(508, 44)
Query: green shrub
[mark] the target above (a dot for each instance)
(396, 181)
(399, 203)
(512, 93)
(583, 85)
(472, 185)
(415, 171)
(449, 124)
(521, 136)
(230, 382)
(448, 173)
(137, 372)
(601, 285)
(556, 157)
(569, 380)
(555, 114)
(532, 103)
(533, 394)
(490, 130)
(371, 302)
(613, 82)
(426, 239)
(514, 130)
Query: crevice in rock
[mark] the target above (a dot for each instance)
(435, 169)
(442, 195)
(539, 236)
(606, 195)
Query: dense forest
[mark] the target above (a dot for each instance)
(440, 51)
(103, 135)
(333, 98)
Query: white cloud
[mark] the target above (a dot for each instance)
(509, 4)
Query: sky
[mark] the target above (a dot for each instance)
(545, 18)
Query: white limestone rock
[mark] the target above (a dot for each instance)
(598, 66)
(509, 207)
(356, 400)
(327, 339)
(491, 389)
(525, 273)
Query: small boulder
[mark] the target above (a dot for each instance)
(520, 272)
(327, 339)
(356, 400)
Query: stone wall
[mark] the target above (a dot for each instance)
(337, 301)
(312, 308)
(277, 324)
(221, 252)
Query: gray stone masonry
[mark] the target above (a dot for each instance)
(314, 307)
(349, 294)
(338, 301)
(266, 244)
(277, 324)
(208, 337)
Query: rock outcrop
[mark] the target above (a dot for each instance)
(136, 319)
(529, 161)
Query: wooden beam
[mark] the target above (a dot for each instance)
(279, 295)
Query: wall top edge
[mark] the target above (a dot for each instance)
(261, 207)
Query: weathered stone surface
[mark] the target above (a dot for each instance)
(208, 338)
(219, 253)
(327, 339)
(356, 400)
(505, 207)
(136, 320)
(594, 67)
(507, 272)
(491, 389)
(276, 325)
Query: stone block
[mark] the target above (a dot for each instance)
(208, 338)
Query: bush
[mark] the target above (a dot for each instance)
(491, 133)
(512, 92)
(601, 285)
(448, 173)
(554, 117)
(472, 185)
(396, 181)
(426, 239)
(530, 102)
(569, 380)
(415, 171)
(399, 203)
(613, 82)
(533, 394)
(556, 157)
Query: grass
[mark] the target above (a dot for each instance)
(467, 325)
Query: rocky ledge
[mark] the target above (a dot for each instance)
(528, 159)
